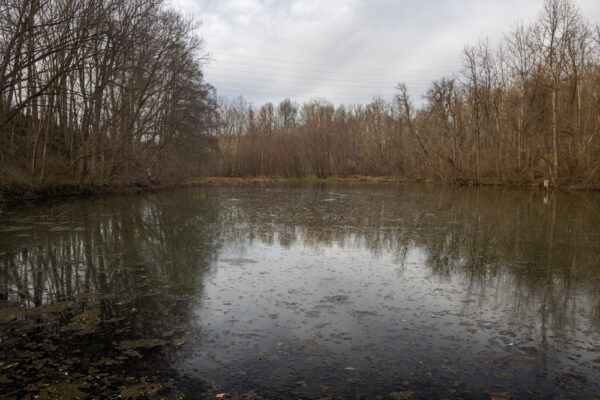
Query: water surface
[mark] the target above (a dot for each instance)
(311, 291)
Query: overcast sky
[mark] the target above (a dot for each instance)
(346, 51)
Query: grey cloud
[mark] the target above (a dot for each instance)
(346, 51)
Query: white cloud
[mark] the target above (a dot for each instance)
(350, 50)
(303, 8)
(247, 7)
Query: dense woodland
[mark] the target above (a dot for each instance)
(525, 111)
(95, 92)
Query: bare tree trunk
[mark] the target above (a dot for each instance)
(555, 134)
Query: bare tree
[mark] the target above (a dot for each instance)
(93, 92)
(554, 30)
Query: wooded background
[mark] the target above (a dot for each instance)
(522, 112)
(95, 92)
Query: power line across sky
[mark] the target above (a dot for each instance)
(223, 57)
(271, 78)
(347, 50)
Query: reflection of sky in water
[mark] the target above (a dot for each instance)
(414, 287)
(311, 310)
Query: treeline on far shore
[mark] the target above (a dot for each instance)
(111, 92)
(521, 113)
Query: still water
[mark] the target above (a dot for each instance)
(303, 291)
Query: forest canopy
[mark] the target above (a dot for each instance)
(96, 92)
(112, 92)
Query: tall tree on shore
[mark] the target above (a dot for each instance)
(93, 92)
(556, 28)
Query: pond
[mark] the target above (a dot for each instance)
(341, 290)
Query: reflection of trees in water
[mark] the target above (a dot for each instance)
(108, 285)
(110, 280)
(509, 246)
(171, 237)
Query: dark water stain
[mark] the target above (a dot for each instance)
(316, 291)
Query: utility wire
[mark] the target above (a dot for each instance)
(344, 99)
(310, 70)
(307, 94)
(329, 79)
(391, 70)
(220, 77)
(294, 43)
(299, 89)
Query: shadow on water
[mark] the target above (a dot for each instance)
(334, 290)
(96, 294)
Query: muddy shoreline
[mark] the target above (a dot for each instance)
(10, 194)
